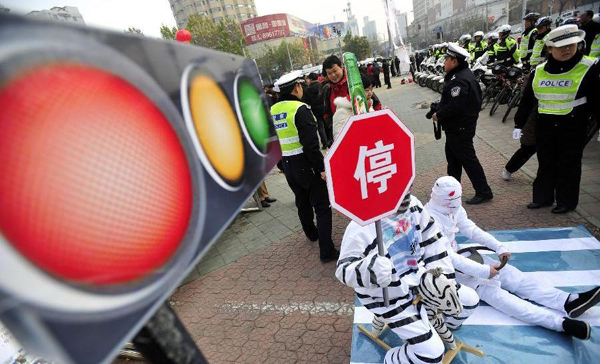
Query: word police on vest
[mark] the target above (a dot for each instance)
(555, 83)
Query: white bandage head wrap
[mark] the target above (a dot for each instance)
(446, 195)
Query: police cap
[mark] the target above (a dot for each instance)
(457, 52)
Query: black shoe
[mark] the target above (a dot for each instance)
(535, 205)
(270, 199)
(264, 203)
(330, 258)
(584, 302)
(476, 200)
(561, 210)
(312, 236)
(578, 329)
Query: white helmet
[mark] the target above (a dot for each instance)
(494, 35)
(444, 45)
(504, 29)
(464, 38)
(478, 34)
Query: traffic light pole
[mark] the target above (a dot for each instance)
(164, 340)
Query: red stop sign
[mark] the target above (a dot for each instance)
(371, 166)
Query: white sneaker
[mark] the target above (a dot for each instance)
(506, 175)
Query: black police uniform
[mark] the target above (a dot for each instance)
(457, 112)
(303, 174)
(560, 139)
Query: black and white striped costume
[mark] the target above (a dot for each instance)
(414, 244)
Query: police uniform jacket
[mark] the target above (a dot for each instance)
(589, 88)
(459, 107)
(311, 157)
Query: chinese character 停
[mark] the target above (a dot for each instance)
(380, 167)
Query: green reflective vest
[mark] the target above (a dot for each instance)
(284, 118)
(538, 47)
(595, 51)
(524, 46)
(509, 43)
(478, 48)
(556, 92)
(470, 47)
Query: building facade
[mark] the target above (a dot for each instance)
(402, 21)
(370, 29)
(60, 13)
(215, 10)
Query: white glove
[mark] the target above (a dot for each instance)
(383, 271)
(517, 133)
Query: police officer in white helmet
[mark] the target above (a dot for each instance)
(564, 90)
(302, 161)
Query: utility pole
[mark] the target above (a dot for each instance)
(487, 19)
(289, 56)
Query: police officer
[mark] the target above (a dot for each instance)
(465, 41)
(303, 164)
(478, 46)
(565, 89)
(539, 53)
(528, 38)
(457, 112)
(505, 50)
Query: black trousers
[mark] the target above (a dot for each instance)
(377, 80)
(328, 123)
(322, 134)
(311, 193)
(460, 154)
(560, 149)
(386, 79)
(521, 156)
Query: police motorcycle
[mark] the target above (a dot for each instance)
(433, 67)
(437, 82)
(482, 72)
(427, 66)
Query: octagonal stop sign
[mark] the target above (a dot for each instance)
(371, 166)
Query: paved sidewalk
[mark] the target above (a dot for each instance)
(261, 295)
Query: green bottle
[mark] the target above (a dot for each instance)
(355, 86)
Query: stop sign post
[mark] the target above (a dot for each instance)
(370, 168)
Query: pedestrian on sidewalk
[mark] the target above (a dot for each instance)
(458, 112)
(303, 163)
(386, 74)
(263, 195)
(314, 100)
(565, 89)
(376, 72)
(324, 95)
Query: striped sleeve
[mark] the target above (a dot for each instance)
(355, 266)
(434, 243)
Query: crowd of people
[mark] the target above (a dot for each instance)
(553, 117)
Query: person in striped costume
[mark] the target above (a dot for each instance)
(509, 290)
(413, 245)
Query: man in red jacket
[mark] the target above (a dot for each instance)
(338, 84)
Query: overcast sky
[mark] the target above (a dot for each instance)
(148, 15)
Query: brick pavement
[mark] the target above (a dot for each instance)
(266, 298)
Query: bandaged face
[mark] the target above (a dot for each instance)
(446, 195)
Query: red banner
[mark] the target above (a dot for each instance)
(265, 27)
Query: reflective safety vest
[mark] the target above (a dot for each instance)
(509, 43)
(595, 51)
(556, 92)
(536, 54)
(524, 46)
(284, 118)
(478, 48)
(470, 47)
